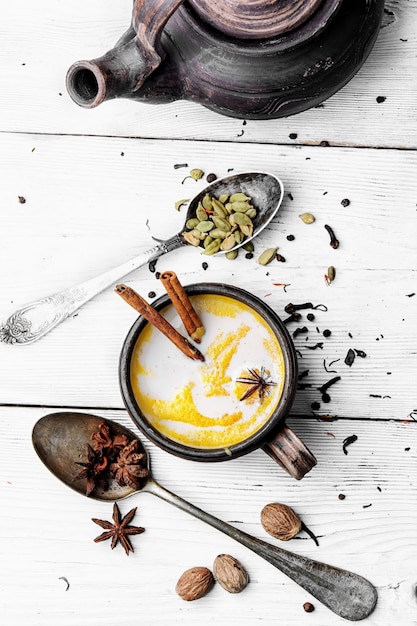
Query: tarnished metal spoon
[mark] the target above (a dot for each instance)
(60, 440)
(33, 320)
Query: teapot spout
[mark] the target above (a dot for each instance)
(119, 72)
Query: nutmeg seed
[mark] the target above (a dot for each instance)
(280, 521)
(230, 573)
(194, 583)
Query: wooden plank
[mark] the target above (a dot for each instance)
(47, 535)
(89, 208)
(39, 36)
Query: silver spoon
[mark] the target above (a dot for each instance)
(60, 440)
(33, 320)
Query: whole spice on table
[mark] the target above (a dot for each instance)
(307, 218)
(267, 256)
(334, 242)
(195, 174)
(230, 573)
(194, 583)
(331, 275)
(308, 607)
(183, 306)
(282, 522)
(119, 530)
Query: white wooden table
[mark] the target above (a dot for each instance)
(98, 186)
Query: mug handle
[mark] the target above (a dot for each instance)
(290, 452)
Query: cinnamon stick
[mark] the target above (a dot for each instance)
(182, 304)
(158, 321)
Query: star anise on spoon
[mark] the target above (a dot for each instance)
(119, 530)
(259, 381)
(130, 467)
(93, 469)
(110, 443)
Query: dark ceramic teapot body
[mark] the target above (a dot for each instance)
(181, 55)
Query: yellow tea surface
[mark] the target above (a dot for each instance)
(200, 404)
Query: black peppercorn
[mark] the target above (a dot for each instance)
(308, 607)
(327, 333)
(290, 237)
(204, 265)
(151, 294)
(211, 177)
(345, 202)
(310, 317)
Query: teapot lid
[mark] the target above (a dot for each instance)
(262, 19)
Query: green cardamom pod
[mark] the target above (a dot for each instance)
(240, 207)
(331, 274)
(228, 243)
(190, 238)
(251, 213)
(239, 197)
(205, 226)
(201, 213)
(231, 255)
(196, 173)
(238, 235)
(267, 256)
(221, 223)
(192, 223)
(247, 229)
(207, 240)
(248, 246)
(213, 247)
(218, 233)
(307, 218)
(179, 203)
(242, 218)
(206, 202)
(224, 198)
(218, 208)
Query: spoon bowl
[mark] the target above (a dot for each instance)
(34, 320)
(60, 440)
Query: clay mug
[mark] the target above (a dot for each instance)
(155, 353)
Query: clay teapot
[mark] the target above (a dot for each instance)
(253, 59)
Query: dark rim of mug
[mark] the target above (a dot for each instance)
(260, 436)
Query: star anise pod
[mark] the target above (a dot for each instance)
(130, 468)
(259, 381)
(119, 530)
(93, 470)
(110, 444)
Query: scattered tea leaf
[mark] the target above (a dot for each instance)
(348, 441)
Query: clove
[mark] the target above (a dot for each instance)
(323, 389)
(334, 242)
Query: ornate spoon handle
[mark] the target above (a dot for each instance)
(343, 592)
(33, 320)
